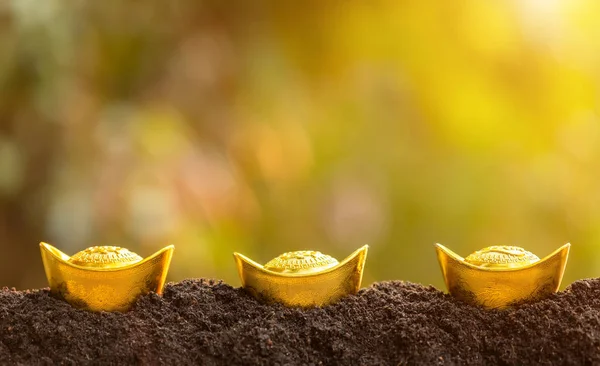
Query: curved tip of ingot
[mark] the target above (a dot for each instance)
(444, 253)
(246, 267)
(48, 251)
(557, 263)
(562, 252)
(303, 290)
(105, 289)
(498, 287)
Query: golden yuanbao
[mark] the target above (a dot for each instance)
(105, 278)
(303, 278)
(500, 276)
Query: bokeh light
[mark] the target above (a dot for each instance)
(263, 127)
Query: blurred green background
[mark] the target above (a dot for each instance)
(264, 127)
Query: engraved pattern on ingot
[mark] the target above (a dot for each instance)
(501, 256)
(303, 261)
(105, 257)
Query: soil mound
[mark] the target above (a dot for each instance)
(388, 323)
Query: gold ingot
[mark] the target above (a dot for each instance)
(502, 276)
(105, 278)
(303, 278)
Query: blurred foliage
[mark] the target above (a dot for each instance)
(263, 127)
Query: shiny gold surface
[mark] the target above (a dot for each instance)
(104, 278)
(303, 278)
(105, 257)
(500, 276)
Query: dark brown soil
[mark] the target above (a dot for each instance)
(389, 323)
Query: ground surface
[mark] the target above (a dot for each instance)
(389, 323)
